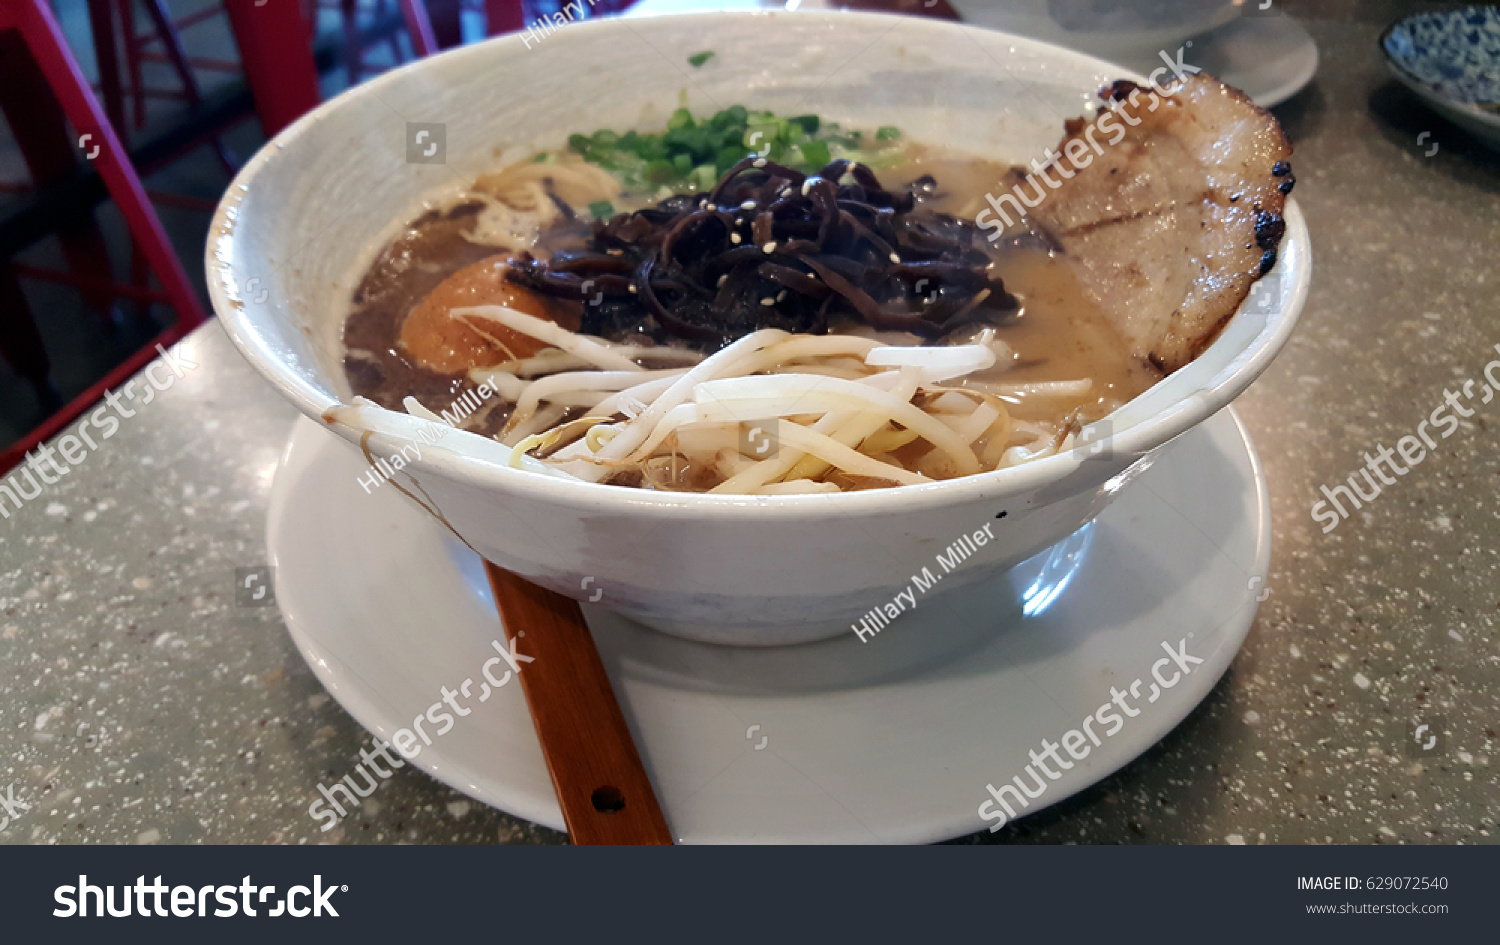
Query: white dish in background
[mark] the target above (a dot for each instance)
(893, 740)
(298, 226)
(1269, 58)
(1117, 30)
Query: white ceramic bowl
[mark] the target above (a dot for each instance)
(302, 219)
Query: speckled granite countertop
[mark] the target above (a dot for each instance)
(141, 705)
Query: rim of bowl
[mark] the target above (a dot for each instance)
(1134, 441)
(1486, 112)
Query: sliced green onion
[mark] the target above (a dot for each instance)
(704, 177)
(733, 115)
(659, 172)
(728, 157)
(808, 123)
(815, 153)
(692, 151)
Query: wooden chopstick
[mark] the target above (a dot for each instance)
(601, 784)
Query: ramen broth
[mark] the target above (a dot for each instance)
(1058, 334)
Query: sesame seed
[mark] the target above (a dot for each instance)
(748, 205)
(808, 185)
(768, 302)
(632, 289)
(895, 258)
(615, 252)
(769, 247)
(759, 162)
(723, 279)
(781, 296)
(734, 238)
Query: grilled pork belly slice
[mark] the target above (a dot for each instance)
(1169, 208)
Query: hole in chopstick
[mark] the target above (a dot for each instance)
(608, 800)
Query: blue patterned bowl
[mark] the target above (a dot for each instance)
(1452, 60)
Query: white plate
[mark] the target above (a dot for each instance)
(1270, 58)
(893, 740)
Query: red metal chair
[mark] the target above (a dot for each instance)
(138, 50)
(42, 50)
(418, 26)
